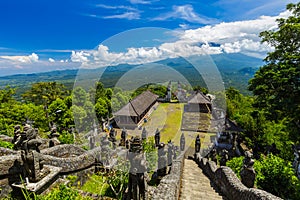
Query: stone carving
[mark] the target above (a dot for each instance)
(19, 137)
(105, 151)
(127, 144)
(182, 142)
(247, 173)
(162, 161)
(224, 157)
(137, 184)
(92, 141)
(112, 137)
(29, 147)
(53, 136)
(197, 144)
(170, 153)
(157, 138)
(213, 155)
(144, 134)
(296, 163)
(123, 137)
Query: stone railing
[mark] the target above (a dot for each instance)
(10, 164)
(6, 138)
(7, 152)
(72, 163)
(169, 186)
(229, 184)
(64, 150)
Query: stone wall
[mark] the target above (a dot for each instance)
(229, 184)
(169, 186)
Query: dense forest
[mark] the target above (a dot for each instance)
(270, 117)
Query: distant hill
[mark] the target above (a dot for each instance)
(236, 70)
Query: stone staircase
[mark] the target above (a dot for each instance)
(195, 185)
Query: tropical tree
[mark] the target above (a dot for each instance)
(44, 93)
(276, 85)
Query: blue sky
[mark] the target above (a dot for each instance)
(40, 35)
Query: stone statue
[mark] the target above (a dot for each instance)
(105, 150)
(157, 138)
(127, 144)
(30, 147)
(170, 153)
(53, 136)
(296, 163)
(112, 137)
(224, 157)
(123, 137)
(137, 184)
(248, 173)
(31, 142)
(92, 141)
(19, 137)
(144, 134)
(197, 144)
(182, 142)
(213, 155)
(162, 161)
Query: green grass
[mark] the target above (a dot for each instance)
(96, 184)
(172, 124)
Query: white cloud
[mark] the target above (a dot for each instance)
(22, 59)
(126, 15)
(139, 2)
(231, 37)
(187, 13)
(80, 56)
(51, 60)
(115, 7)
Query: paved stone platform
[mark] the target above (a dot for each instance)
(195, 185)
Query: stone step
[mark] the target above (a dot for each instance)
(195, 185)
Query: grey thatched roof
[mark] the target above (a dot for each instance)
(199, 98)
(232, 126)
(138, 105)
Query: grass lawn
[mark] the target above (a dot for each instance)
(96, 184)
(172, 123)
(167, 117)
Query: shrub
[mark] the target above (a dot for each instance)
(236, 165)
(6, 144)
(273, 174)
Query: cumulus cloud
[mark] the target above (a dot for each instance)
(22, 59)
(231, 37)
(185, 12)
(80, 56)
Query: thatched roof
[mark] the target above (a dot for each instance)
(199, 98)
(232, 126)
(138, 105)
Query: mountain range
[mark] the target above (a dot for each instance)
(235, 69)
